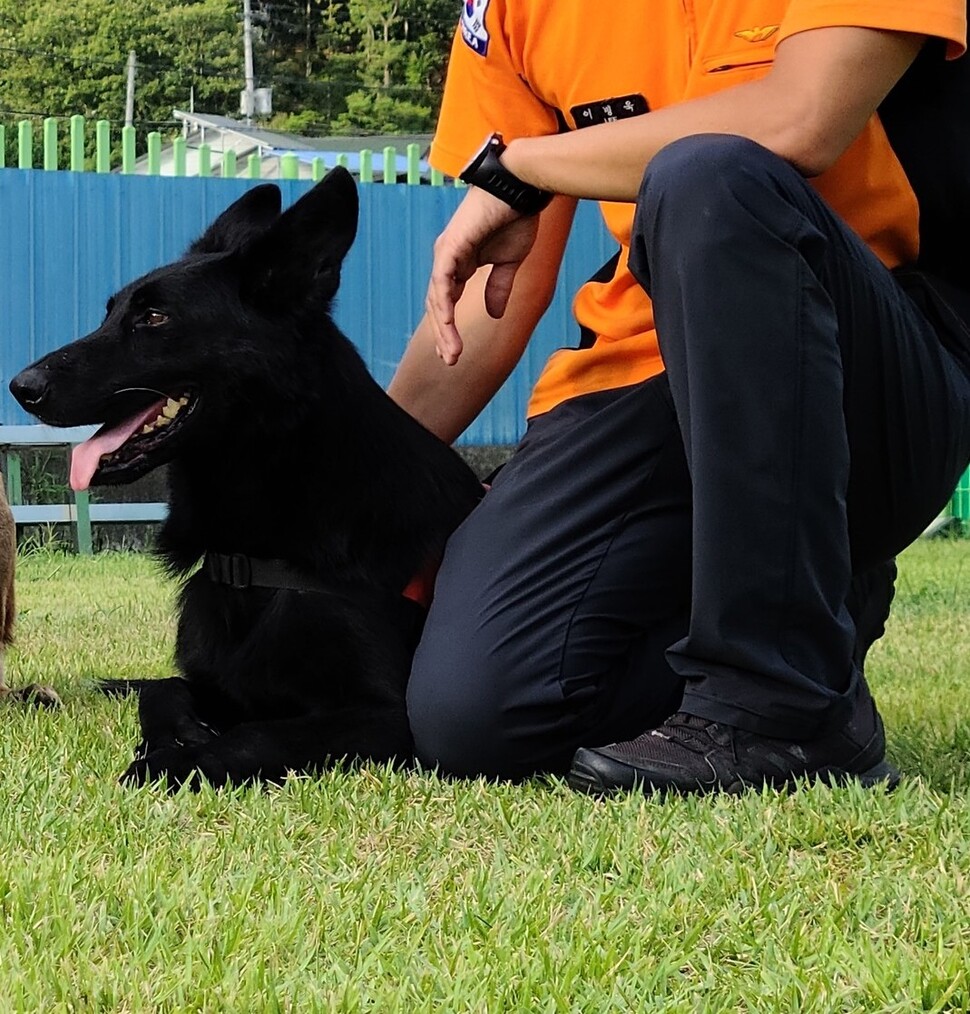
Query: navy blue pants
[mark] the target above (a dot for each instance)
(691, 541)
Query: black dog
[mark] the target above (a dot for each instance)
(294, 636)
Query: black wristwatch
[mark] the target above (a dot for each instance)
(487, 172)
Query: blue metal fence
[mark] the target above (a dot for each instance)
(69, 240)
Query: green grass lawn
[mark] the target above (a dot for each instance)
(381, 891)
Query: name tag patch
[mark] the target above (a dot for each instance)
(473, 29)
(607, 110)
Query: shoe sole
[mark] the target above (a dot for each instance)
(882, 773)
(584, 777)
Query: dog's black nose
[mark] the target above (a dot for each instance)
(30, 388)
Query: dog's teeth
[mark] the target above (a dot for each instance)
(163, 420)
(184, 400)
(170, 411)
(147, 429)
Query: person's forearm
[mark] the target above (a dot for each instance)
(446, 398)
(822, 89)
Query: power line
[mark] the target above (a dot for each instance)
(264, 80)
(118, 67)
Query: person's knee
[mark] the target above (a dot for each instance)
(457, 720)
(698, 198)
(696, 168)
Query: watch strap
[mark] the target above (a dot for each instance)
(486, 172)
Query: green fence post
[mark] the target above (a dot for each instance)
(82, 523)
(3, 146)
(960, 504)
(343, 160)
(77, 143)
(366, 166)
(390, 165)
(414, 164)
(25, 145)
(154, 153)
(127, 149)
(289, 167)
(254, 166)
(50, 143)
(318, 169)
(15, 489)
(437, 177)
(178, 156)
(229, 164)
(102, 146)
(205, 160)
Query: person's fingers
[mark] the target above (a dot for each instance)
(443, 295)
(476, 234)
(498, 288)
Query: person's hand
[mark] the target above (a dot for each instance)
(484, 230)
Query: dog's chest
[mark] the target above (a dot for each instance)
(283, 652)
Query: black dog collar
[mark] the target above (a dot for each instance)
(240, 571)
(486, 172)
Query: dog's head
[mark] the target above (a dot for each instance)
(189, 341)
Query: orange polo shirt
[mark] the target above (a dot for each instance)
(527, 68)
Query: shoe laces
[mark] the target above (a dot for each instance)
(690, 731)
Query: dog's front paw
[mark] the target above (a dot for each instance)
(187, 733)
(176, 766)
(191, 731)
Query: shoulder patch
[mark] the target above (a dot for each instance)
(473, 29)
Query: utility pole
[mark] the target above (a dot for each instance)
(249, 95)
(130, 96)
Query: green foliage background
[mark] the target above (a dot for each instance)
(358, 66)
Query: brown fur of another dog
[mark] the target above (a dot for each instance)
(8, 559)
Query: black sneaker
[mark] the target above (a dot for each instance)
(691, 754)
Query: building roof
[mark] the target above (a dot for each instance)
(223, 134)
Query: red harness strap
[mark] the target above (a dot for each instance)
(420, 588)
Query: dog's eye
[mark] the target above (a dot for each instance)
(153, 318)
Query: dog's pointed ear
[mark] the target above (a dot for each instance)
(300, 256)
(241, 222)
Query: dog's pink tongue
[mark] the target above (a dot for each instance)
(86, 456)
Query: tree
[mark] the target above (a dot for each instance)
(351, 65)
(381, 113)
(65, 59)
(70, 59)
(202, 39)
(356, 66)
(402, 46)
(307, 60)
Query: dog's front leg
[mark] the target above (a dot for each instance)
(269, 751)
